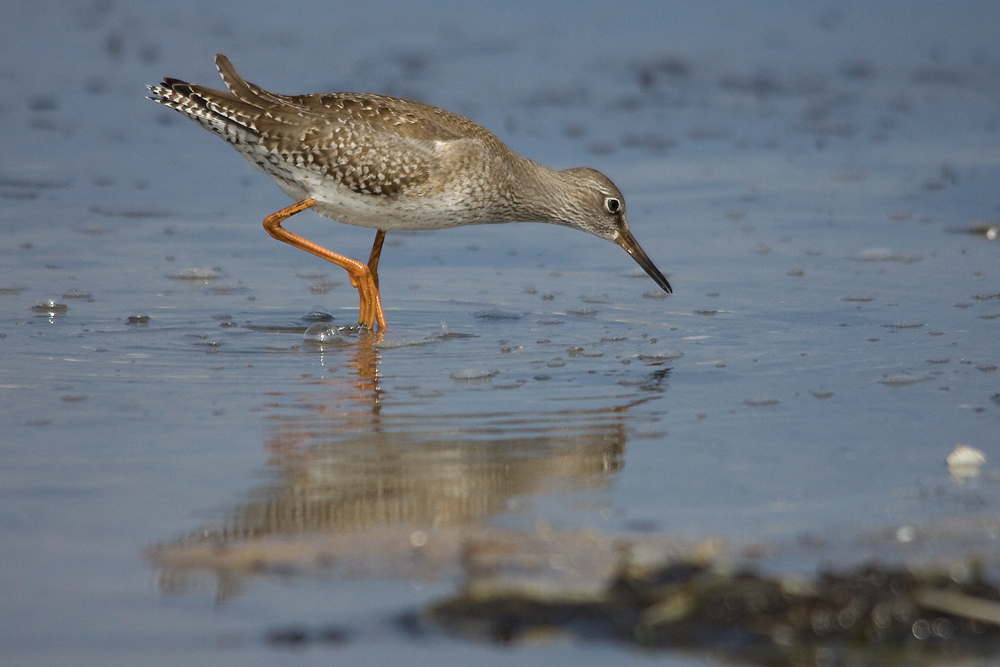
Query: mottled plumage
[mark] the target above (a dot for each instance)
(389, 163)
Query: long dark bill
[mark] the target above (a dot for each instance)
(627, 241)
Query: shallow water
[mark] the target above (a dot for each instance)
(819, 182)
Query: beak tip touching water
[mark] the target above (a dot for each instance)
(632, 247)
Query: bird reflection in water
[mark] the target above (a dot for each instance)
(357, 489)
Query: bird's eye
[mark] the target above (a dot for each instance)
(612, 205)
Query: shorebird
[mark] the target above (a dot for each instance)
(393, 164)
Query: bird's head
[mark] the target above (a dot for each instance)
(590, 202)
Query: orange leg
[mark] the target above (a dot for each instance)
(361, 276)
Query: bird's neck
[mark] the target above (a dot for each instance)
(540, 194)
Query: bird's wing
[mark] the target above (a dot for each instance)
(372, 144)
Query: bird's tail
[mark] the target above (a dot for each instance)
(231, 114)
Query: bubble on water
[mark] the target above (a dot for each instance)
(50, 306)
(311, 275)
(902, 379)
(761, 402)
(595, 298)
(323, 286)
(474, 374)
(883, 255)
(497, 315)
(509, 385)
(322, 333)
(405, 342)
(577, 351)
(317, 314)
(229, 290)
(659, 356)
(903, 325)
(196, 274)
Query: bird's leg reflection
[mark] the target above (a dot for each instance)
(364, 362)
(358, 392)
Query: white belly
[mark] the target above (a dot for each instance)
(340, 203)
